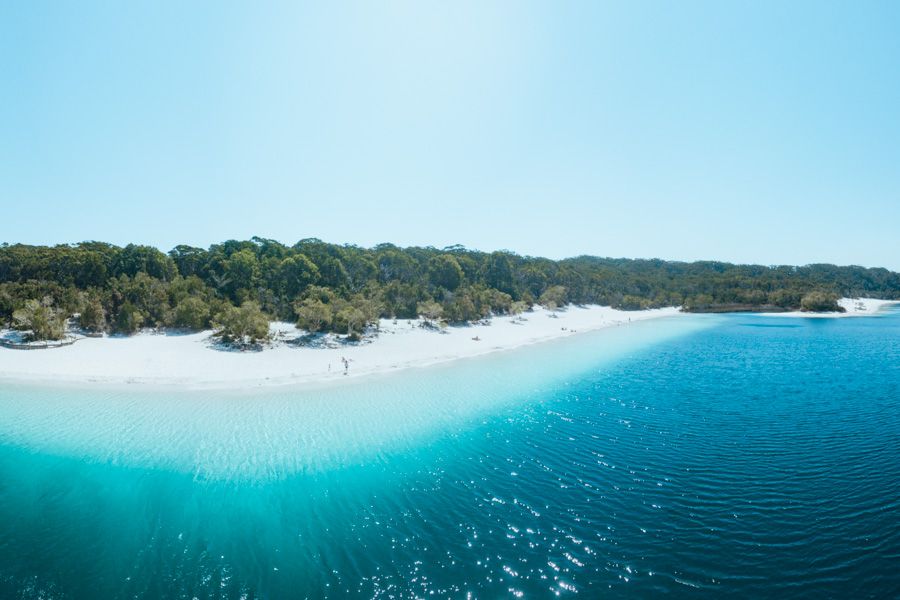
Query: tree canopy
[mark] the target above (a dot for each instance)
(346, 288)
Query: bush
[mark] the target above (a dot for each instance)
(40, 318)
(697, 302)
(430, 310)
(244, 326)
(820, 302)
(313, 314)
(518, 307)
(192, 312)
(93, 316)
(460, 308)
(553, 297)
(633, 303)
(350, 320)
(129, 319)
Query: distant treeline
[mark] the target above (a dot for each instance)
(239, 285)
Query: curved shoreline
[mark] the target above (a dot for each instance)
(188, 361)
(173, 360)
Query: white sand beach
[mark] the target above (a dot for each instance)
(853, 307)
(193, 360)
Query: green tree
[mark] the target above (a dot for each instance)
(369, 307)
(192, 313)
(499, 272)
(819, 301)
(444, 271)
(93, 315)
(129, 319)
(461, 308)
(400, 299)
(629, 302)
(41, 319)
(499, 302)
(394, 281)
(242, 326)
(553, 297)
(242, 270)
(350, 320)
(133, 259)
(295, 273)
(7, 302)
(394, 265)
(189, 260)
(518, 307)
(429, 310)
(313, 315)
(698, 302)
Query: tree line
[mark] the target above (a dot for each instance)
(236, 287)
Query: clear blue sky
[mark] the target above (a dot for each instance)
(745, 131)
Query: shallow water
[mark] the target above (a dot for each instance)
(704, 455)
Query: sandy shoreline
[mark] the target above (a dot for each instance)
(192, 361)
(854, 307)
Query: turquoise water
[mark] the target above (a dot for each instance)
(696, 456)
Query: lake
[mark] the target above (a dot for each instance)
(695, 456)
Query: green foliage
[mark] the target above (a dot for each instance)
(350, 320)
(313, 315)
(698, 302)
(498, 272)
(553, 297)
(461, 308)
(499, 303)
(129, 319)
(243, 326)
(139, 286)
(192, 313)
(93, 315)
(819, 301)
(41, 319)
(473, 303)
(368, 306)
(395, 265)
(518, 307)
(295, 273)
(444, 271)
(242, 270)
(7, 303)
(354, 315)
(783, 298)
(630, 302)
(188, 260)
(143, 259)
(430, 310)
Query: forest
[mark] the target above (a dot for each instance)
(237, 287)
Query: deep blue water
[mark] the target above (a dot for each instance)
(739, 455)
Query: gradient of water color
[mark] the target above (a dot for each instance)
(702, 456)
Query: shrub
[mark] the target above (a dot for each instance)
(40, 318)
(192, 312)
(820, 302)
(313, 314)
(93, 316)
(245, 325)
(129, 319)
(553, 297)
